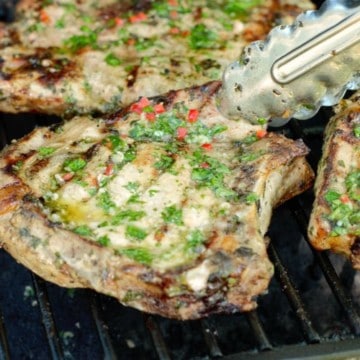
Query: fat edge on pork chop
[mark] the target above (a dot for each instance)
(163, 205)
(66, 57)
(335, 219)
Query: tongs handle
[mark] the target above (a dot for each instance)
(318, 49)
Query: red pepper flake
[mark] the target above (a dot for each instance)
(173, 14)
(204, 165)
(181, 133)
(193, 115)
(67, 176)
(44, 17)
(185, 33)
(119, 21)
(109, 170)
(140, 16)
(150, 116)
(159, 108)
(260, 133)
(138, 107)
(173, 2)
(206, 146)
(174, 31)
(131, 41)
(344, 199)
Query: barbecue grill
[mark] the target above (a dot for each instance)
(311, 309)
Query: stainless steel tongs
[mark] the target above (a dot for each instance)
(298, 68)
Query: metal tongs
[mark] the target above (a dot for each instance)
(297, 68)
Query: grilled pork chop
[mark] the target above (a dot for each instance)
(163, 205)
(335, 219)
(85, 57)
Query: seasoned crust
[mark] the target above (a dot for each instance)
(341, 157)
(231, 267)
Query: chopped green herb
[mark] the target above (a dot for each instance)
(251, 198)
(60, 24)
(135, 232)
(74, 165)
(239, 8)
(261, 121)
(164, 163)
(112, 60)
(129, 215)
(172, 214)
(83, 230)
(203, 38)
(210, 172)
(77, 42)
(250, 156)
(132, 186)
(140, 255)
(194, 241)
(114, 142)
(357, 131)
(17, 166)
(45, 151)
(105, 202)
(104, 240)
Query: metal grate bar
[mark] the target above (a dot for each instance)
(259, 332)
(310, 333)
(2, 135)
(102, 329)
(210, 338)
(47, 318)
(157, 337)
(4, 347)
(331, 276)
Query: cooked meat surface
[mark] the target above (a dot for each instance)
(335, 219)
(94, 56)
(163, 205)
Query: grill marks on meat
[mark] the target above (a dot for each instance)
(97, 56)
(167, 220)
(335, 219)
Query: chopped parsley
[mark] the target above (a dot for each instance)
(76, 42)
(164, 163)
(112, 60)
(104, 240)
(135, 232)
(132, 186)
(239, 8)
(251, 198)
(114, 142)
(105, 202)
(129, 215)
(83, 230)
(210, 172)
(74, 165)
(345, 208)
(172, 214)
(202, 37)
(194, 241)
(357, 131)
(138, 254)
(45, 151)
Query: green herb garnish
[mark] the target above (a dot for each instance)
(135, 232)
